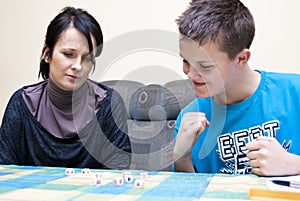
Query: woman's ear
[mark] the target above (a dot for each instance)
(243, 57)
(46, 55)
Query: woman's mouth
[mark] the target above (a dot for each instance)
(73, 77)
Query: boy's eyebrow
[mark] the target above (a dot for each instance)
(206, 62)
(200, 62)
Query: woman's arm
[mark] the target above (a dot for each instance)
(118, 148)
(9, 131)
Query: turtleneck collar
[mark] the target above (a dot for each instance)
(64, 113)
(64, 100)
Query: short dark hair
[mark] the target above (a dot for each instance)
(81, 20)
(229, 23)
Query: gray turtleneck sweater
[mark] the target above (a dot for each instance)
(46, 126)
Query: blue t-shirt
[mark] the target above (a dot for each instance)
(273, 110)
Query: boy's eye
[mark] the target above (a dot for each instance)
(206, 66)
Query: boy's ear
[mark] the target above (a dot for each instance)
(243, 57)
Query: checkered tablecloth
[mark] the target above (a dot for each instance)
(51, 183)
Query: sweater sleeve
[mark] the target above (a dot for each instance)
(11, 126)
(112, 118)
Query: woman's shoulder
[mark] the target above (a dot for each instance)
(98, 86)
(110, 93)
(33, 88)
(105, 95)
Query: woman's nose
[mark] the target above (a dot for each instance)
(77, 65)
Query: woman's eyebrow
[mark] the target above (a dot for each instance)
(73, 50)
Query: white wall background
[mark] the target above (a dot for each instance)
(23, 27)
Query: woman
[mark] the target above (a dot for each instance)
(66, 119)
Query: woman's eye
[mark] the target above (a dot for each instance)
(68, 54)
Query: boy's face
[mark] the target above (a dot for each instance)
(211, 71)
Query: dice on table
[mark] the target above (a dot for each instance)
(128, 177)
(86, 171)
(144, 175)
(139, 183)
(118, 181)
(97, 181)
(97, 175)
(97, 178)
(69, 171)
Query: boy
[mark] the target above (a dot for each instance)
(243, 120)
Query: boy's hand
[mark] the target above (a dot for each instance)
(268, 158)
(191, 127)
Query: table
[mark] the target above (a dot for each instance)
(51, 183)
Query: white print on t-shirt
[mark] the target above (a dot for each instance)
(232, 146)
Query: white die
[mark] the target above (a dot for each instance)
(128, 177)
(144, 175)
(97, 181)
(118, 181)
(69, 171)
(97, 175)
(86, 171)
(139, 183)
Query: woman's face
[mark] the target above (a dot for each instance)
(71, 61)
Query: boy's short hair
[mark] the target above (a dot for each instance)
(227, 22)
